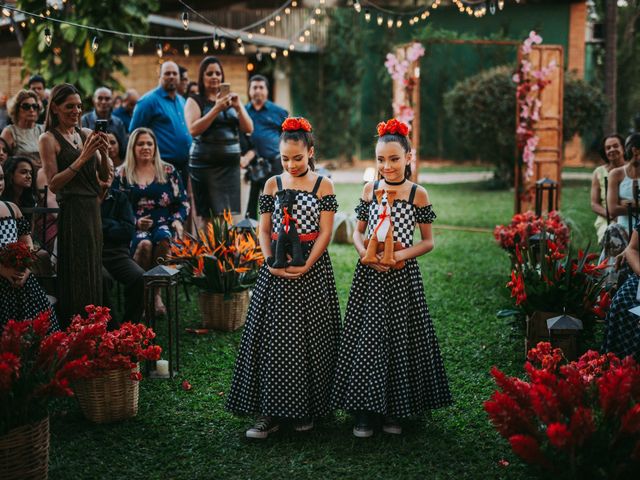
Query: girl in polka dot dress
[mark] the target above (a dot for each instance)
(389, 363)
(289, 346)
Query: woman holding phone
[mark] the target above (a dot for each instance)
(215, 117)
(74, 161)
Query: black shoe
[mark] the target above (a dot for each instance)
(263, 427)
(303, 424)
(391, 425)
(363, 428)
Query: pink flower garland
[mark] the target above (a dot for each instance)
(398, 71)
(530, 84)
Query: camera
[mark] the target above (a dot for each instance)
(101, 126)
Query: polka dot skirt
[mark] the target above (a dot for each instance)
(389, 360)
(289, 346)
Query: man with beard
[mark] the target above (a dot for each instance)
(162, 110)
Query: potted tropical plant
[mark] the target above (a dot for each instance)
(34, 367)
(223, 262)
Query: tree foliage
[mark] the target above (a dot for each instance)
(481, 111)
(70, 57)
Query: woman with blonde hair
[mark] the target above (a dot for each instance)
(157, 196)
(22, 137)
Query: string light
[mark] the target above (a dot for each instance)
(356, 5)
(287, 11)
(6, 12)
(399, 22)
(380, 20)
(205, 48)
(186, 49)
(312, 21)
(130, 48)
(95, 44)
(159, 50)
(294, 4)
(216, 42)
(185, 20)
(367, 15)
(32, 20)
(389, 22)
(501, 4)
(285, 53)
(273, 54)
(223, 44)
(292, 47)
(23, 24)
(47, 36)
(263, 30)
(318, 11)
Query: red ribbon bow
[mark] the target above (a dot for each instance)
(287, 219)
(383, 216)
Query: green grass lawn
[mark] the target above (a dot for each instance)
(188, 435)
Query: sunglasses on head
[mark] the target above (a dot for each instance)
(29, 106)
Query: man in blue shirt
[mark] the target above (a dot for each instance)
(162, 110)
(125, 111)
(102, 104)
(267, 119)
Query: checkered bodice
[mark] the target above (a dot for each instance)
(404, 216)
(8, 231)
(306, 210)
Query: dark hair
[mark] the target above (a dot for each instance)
(7, 148)
(189, 85)
(632, 141)
(206, 61)
(36, 79)
(404, 143)
(259, 78)
(182, 70)
(301, 136)
(602, 151)
(28, 197)
(58, 95)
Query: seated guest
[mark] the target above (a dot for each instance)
(4, 150)
(23, 135)
(20, 183)
(157, 196)
(612, 154)
(118, 228)
(21, 297)
(623, 182)
(622, 328)
(114, 149)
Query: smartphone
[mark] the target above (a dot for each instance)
(225, 89)
(101, 126)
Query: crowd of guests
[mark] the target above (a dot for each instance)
(119, 182)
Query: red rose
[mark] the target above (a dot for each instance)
(293, 124)
(393, 127)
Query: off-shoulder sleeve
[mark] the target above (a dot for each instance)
(24, 226)
(362, 210)
(425, 214)
(328, 203)
(266, 204)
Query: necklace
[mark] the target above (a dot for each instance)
(395, 183)
(74, 138)
(303, 174)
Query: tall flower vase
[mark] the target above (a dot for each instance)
(109, 398)
(24, 452)
(225, 314)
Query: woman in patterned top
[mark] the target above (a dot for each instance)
(389, 363)
(287, 355)
(158, 199)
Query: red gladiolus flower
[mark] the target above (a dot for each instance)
(631, 420)
(615, 390)
(582, 425)
(527, 448)
(559, 435)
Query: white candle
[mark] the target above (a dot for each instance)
(162, 367)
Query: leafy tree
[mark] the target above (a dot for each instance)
(481, 111)
(70, 57)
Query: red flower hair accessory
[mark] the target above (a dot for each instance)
(393, 127)
(293, 124)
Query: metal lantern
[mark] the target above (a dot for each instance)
(247, 224)
(549, 188)
(165, 278)
(564, 331)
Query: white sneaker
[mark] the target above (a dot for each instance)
(392, 426)
(262, 428)
(303, 424)
(362, 428)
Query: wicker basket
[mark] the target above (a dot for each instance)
(109, 398)
(24, 452)
(220, 314)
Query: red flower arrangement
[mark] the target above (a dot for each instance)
(524, 225)
(17, 255)
(553, 281)
(583, 416)
(293, 124)
(393, 127)
(105, 350)
(33, 368)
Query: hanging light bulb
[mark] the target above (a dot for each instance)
(259, 56)
(23, 24)
(47, 36)
(278, 18)
(287, 11)
(241, 50)
(216, 42)
(389, 22)
(130, 48)
(292, 47)
(48, 12)
(312, 21)
(11, 29)
(249, 35)
(367, 15)
(301, 38)
(6, 12)
(294, 4)
(399, 22)
(379, 20)
(307, 33)
(223, 44)
(32, 20)
(263, 30)
(356, 5)
(186, 50)
(95, 44)
(205, 48)
(159, 50)
(492, 7)
(318, 11)
(272, 23)
(273, 54)
(185, 20)
(285, 53)
(500, 4)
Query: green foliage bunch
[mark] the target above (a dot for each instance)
(70, 57)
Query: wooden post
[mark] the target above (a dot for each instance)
(548, 153)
